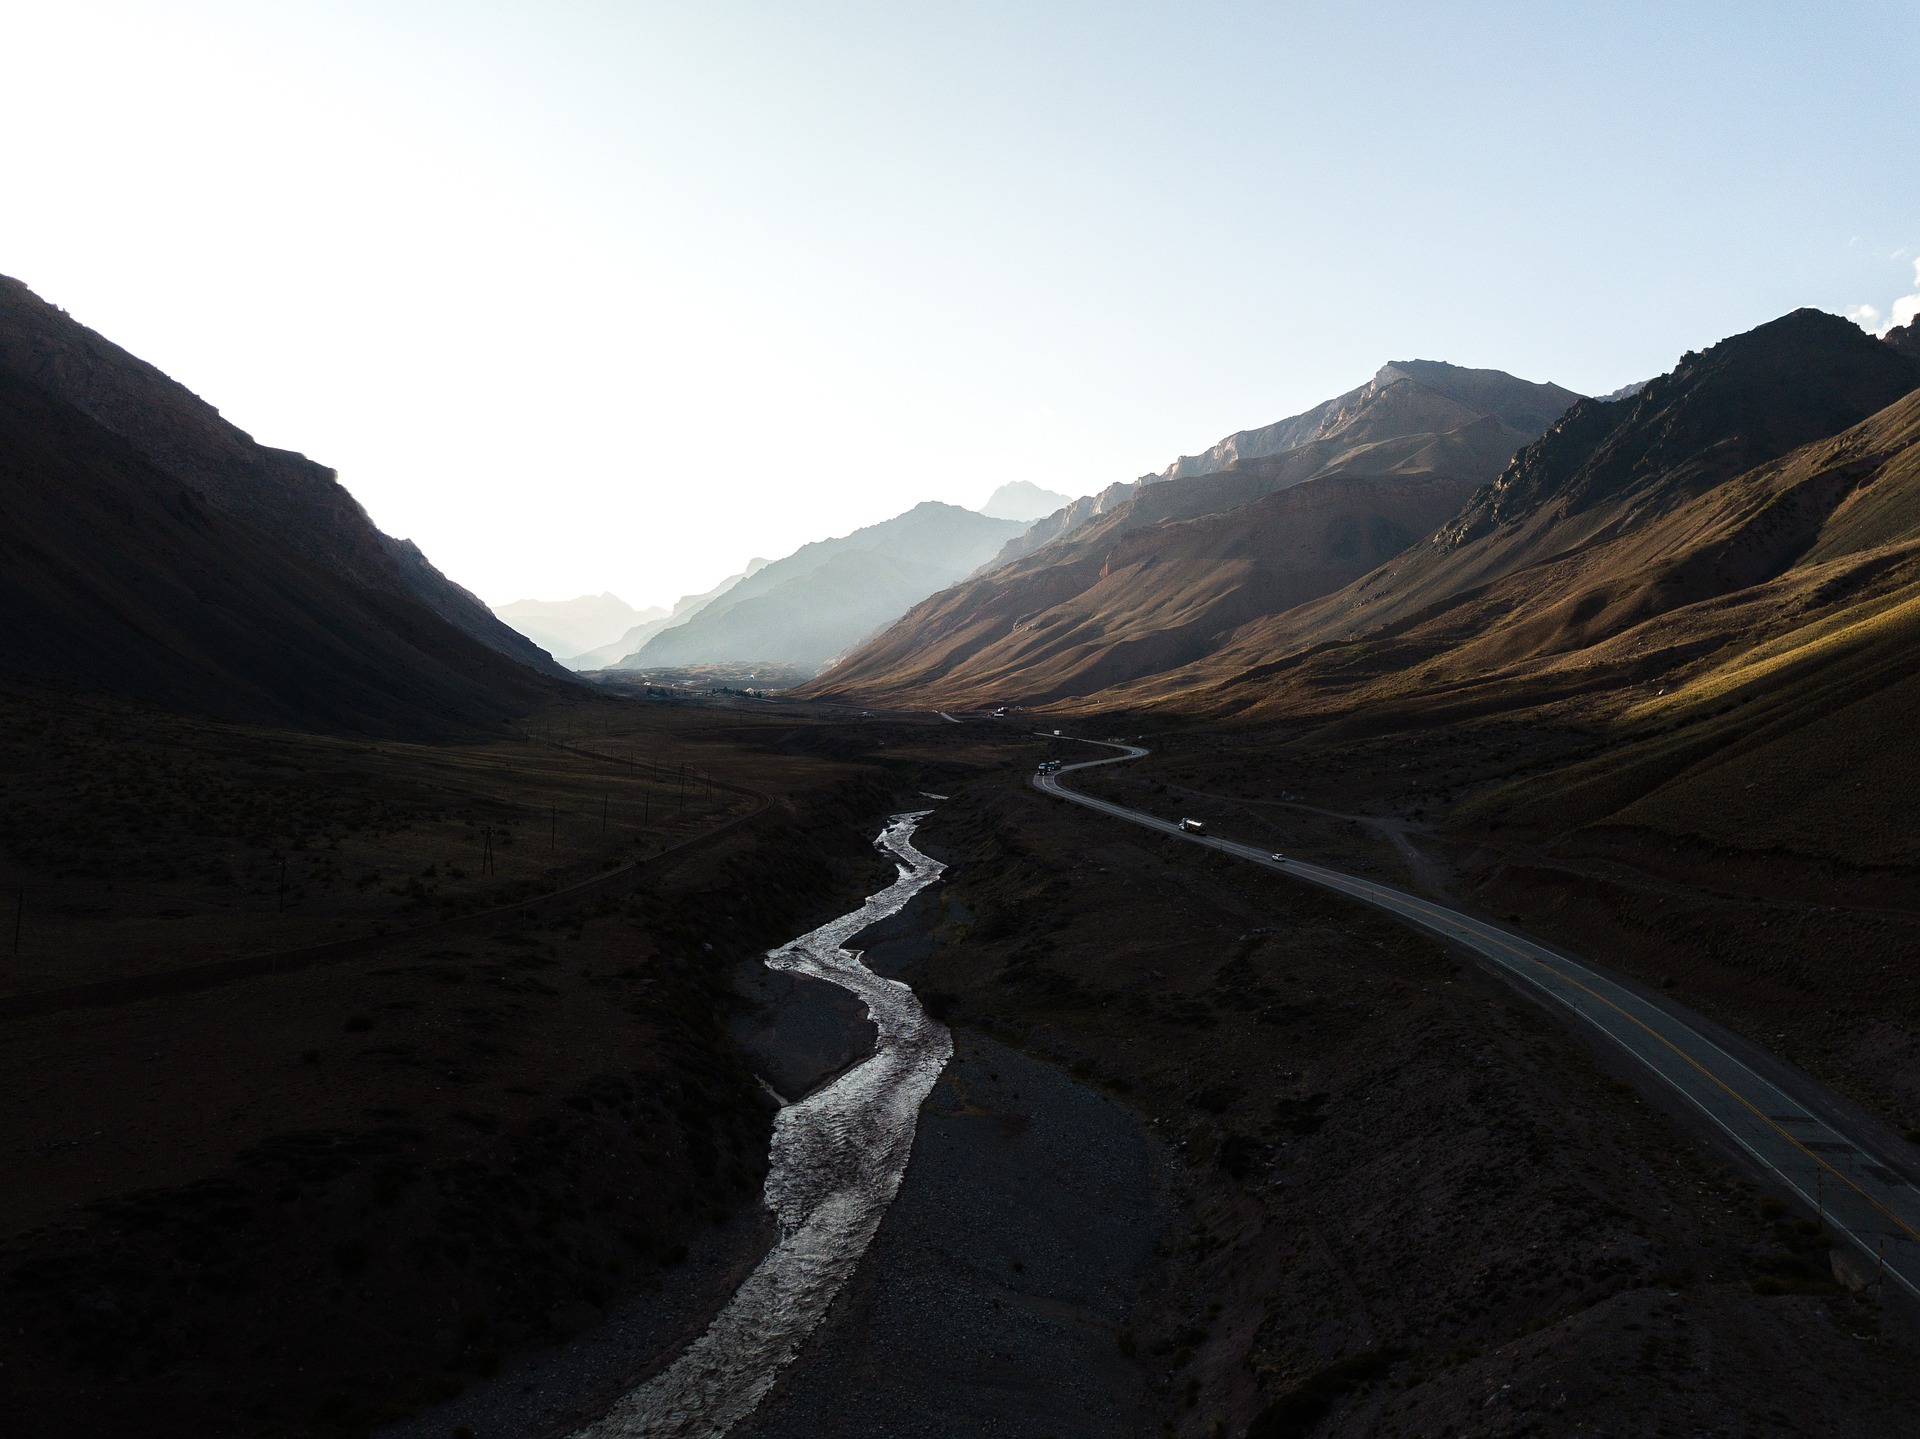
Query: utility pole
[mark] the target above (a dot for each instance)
(486, 850)
(19, 909)
(283, 884)
(553, 832)
(1820, 1198)
(605, 800)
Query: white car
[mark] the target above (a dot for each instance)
(1277, 857)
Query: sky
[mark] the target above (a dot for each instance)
(590, 296)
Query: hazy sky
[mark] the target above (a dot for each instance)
(585, 296)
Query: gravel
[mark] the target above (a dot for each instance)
(993, 1297)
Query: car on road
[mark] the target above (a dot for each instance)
(1277, 857)
(1193, 826)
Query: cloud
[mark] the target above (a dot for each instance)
(1905, 310)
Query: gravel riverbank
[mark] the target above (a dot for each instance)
(554, 1393)
(992, 1300)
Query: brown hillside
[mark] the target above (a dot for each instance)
(1157, 581)
(1622, 512)
(1745, 669)
(1798, 719)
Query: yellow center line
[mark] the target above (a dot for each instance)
(1502, 942)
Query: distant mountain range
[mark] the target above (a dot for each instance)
(1152, 574)
(151, 549)
(609, 656)
(807, 608)
(815, 603)
(566, 627)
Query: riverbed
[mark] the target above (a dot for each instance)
(837, 1159)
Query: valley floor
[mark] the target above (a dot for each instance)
(1218, 1154)
(1404, 1201)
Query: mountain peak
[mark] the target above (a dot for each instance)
(1023, 500)
(1403, 395)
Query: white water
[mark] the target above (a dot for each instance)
(836, 1162)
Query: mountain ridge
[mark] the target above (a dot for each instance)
(281, 493)
(1391, 459)
(1604, 474)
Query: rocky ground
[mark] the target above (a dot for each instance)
(1405, 1203)
(1218, 1155)
(993, 1299)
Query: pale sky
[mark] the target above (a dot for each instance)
(586, 296)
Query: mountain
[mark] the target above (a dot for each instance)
(1152, 575)
(826, 596)
(150, 549)
(566, 627)
(1407, 397)
(1490, 586)
(1757, 651)
(278, 494)
(1905, 338)
(1023, 500)
(608, 656)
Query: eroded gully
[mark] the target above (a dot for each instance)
(836, 1162)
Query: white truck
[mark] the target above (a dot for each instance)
(1193, 826)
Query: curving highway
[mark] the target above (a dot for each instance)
(1810, 1155)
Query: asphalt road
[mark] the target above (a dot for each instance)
(1806, 1154)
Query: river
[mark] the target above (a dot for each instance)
(836, 1163)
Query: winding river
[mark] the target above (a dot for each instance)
(836, 1162)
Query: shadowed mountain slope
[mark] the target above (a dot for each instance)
(807, 608)
(1757, 654)
(1157, 580)
(278, 494)
(119, 577)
